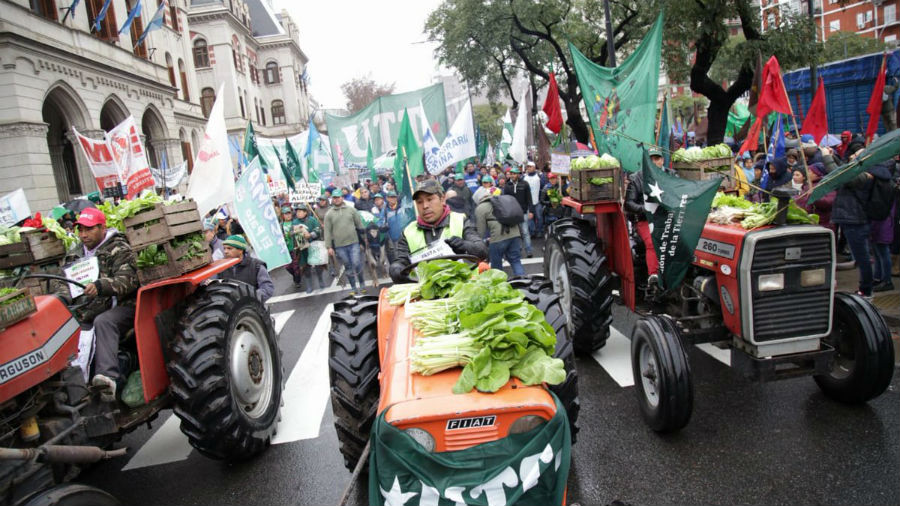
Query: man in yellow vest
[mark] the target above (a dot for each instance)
(436, 232)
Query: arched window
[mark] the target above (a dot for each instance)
(278, 112)
(207, 99)
(236, 54)
(241, 100)
(272, 76)
(45, 8)
(185, 94)
(171, 67)
(201, 54)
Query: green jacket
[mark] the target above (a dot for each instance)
(118, 278)
(312, 226)
(489, 226)
(341, 224)
(287, 228)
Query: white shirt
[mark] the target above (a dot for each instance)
(534, 184)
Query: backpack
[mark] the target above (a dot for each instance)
(507, 210)
(881, 200)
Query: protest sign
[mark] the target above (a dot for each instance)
(560, 163)
(14, 207)
(306, 192)
(130, 157)
(253, 205)
(100, 160)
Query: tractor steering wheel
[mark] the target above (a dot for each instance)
(474, 260)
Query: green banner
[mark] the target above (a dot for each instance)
(408, 163)
(379, 122)
(676, 209)
(527, 468)
(253, 206)
(621, 101)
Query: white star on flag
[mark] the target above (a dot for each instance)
(655, 191)
(395, 496)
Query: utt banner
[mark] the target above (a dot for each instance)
(100, 160)
(253, 205)
(130, 156)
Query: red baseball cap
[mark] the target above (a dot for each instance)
(91, 217)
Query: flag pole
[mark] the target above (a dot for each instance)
(799, 142)
(410, 179)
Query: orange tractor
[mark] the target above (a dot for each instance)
(370, 373)
(767, 295)
(205, 348)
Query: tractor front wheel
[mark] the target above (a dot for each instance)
(353, 368)
(538, 291)
(863, 362)
(226, 373)
(574, 262)
(662, 374)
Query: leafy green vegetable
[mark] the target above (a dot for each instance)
(197, 247)
(605, 161)
(6, 291)
(400, 294)
(115, 215)
(438, 277)
(722, 199)
(152, 256)
(697, 154)
(10, 235)
(600, 181)
(69, 240)
(554, 196)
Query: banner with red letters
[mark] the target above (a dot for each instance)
(120, 157)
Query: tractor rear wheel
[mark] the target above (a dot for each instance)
(538, 290)
(575, 263)
(73, 494)
(226, 373)
(662, 374)
(863, 362)
(353, 368)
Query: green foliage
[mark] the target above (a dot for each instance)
(152, 256)
(487, 118)
(843, 45)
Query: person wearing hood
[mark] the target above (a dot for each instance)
(779, 174)
(505, 241)
(436, 222)
(841, 149)
(110, 298)
(849, 211)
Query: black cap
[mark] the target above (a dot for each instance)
(429, 186)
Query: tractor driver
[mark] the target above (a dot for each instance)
(110, 299)
(435, 222)
(634, 206)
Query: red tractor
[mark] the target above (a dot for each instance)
(205, 348)
(767, 294)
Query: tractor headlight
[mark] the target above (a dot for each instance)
(814, 277)
(422, 437)
(771, 282)
(525, 424)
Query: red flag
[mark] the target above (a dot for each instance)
(816, 122)
(551, 107)
(773, 96)
(752, 140)
(875, 101)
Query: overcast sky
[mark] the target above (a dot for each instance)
(344, 39)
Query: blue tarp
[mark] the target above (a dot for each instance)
(848, 86)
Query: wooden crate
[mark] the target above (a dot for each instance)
(44, 245)
(172, 221)
(174, 267)
(581, 188)
(706, 169)
(13, 312)
(14, 255)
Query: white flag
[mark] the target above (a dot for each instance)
(429, 145)
(212, 180)
(460, 141)
(517, 149)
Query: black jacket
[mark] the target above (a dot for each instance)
(849, 202)
(522, 192)
(634, 196)
(473, 245)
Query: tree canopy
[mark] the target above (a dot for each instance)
(361, 91)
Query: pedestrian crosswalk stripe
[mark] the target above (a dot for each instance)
(615, 358)
(281, 319)
(168, 444)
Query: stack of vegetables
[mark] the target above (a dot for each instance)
(480, 322)
(697, 154)
(7, 291)
(728, 209)
(116, 214)
(13, 235)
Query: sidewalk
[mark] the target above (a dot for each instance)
(888, 303)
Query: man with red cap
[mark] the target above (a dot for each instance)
(110, 298)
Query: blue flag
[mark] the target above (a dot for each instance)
(135, 12)
(776, 143)
(313, 136)
(101, 15)
(155, 23)
(71, 10)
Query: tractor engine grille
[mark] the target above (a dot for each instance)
(795, 310)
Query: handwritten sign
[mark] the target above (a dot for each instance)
(83, 271)
(559, 163)
(306, 192)
(434, 250)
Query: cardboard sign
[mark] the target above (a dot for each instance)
(84, 271)
(306, 192)
(560, 163)
(436, 249)
(14, 207)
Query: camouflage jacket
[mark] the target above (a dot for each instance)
(118, 278)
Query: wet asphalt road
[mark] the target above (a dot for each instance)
(747, 443)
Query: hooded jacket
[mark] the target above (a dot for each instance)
(849, 203)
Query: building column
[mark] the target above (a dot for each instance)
(27, 164)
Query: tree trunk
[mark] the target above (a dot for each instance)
(717, 120)
(576, 122)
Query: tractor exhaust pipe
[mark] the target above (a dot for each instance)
(784, 196)
(62, 454)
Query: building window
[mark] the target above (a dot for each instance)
(262, 115)
(834, 26)
(241, 100)
(184, 84)
(207, 99)
(171, 68)
(256, 107)
(278, 112)
(201, 54)
(890, 14)
(45, 9)
(173, 16)
(254, 74)
(272, 76)
(108, 29)
(137, 28)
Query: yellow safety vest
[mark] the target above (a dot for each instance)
(415, 236)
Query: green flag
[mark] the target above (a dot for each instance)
(526, 468)
(621, 101)
(884, 148)
(283, 163)
(676, 209)
(370, 161)
(292, 166)
(408, 163)
(251, 149)
(481, 144)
